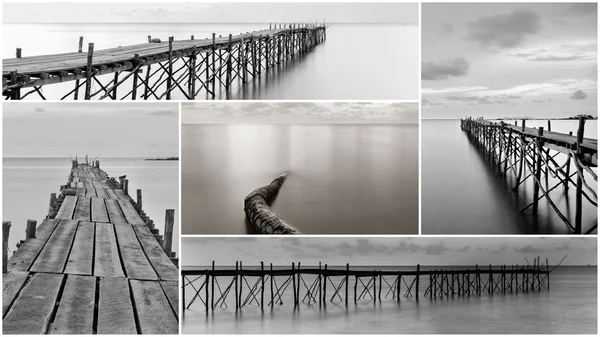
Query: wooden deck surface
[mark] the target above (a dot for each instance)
(35, 65)
(95, 268)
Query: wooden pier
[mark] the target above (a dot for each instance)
(324, 285)
(531, 152)
(159, 68)
(96, 264)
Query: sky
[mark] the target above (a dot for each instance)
(109, 129)
(509, 60)
(123, 12)
(299, 112)
(381, 251)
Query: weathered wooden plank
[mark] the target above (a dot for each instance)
(90, 192)
(131, 213)
(153, 308)
(88, 184)
(159, 260)
(171, 288)
(102, 193)
(82, 209)
(75, 179)
(97, 185)
(80, 192)
(136, 264)
(81, 184)
(107, 262)
(114, 212)
(31, 311)
(75, 314)
(105, 185)
(115, 311)
(121, 194)
(99, 213)
(81, 256)
(111, 193)
(67, 208)
(12, 282)
(53, 257)
(23, 258)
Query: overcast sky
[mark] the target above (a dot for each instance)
(299, 112)
(386, 250)
(114, 129)
(509, 59)
(119, 12)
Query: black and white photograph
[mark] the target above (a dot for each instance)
(300, 168)
(90, 218)
(509, 118)
(389, 285)
(211, 51)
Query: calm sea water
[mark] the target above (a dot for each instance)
(343, 179)
(461, 193)
(28, 182)
(569, 307)
(344, 67)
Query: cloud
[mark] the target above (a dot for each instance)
(504, 30)
(435, 249)
(463, 249)
(478, 100)
(162, 113)
(451, 90)
(578, 95)
(40, 110)
(582, 9)
(528, 250)
(564, 52)
(455, 67)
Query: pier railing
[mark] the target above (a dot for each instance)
(212, 287)
(532, 153)
(157, 69)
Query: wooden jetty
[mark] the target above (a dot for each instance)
(531, 152)
(96, 264)
(333, 285)
(157, 69)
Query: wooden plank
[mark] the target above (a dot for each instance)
(99, 213)
(81, 256)
(171, 288)
(81, 184)
(53, 257)
(90, 192)
(83, 209)
(97, 184)
(111, 193)
(107, 262)
(12, 282)
(121, 194)
(102, 193)
(115, 311)
(80, 192)
(88, 184)
(23, 258)
(160, 261)
(67, 208)
(153, 308)
(131, 213)
(114, 212)
(75, 314)
(75, 179)
(136, 264)
(31, 311)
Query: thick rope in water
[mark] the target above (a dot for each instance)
(259, 213)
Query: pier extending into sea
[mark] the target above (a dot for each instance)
(95, 265)
(530, 154)
(213, 286)
(157, 69)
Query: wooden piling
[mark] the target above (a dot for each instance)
(139, 200)
(212, 288)
(262, 285)
(30, 231)
(18, 53)
(271, 279)
(538, 170)
(52, 205)
(579, 186)
(320, 285)
(169, 223)
(5, 234)
(126, 186)
(346, 282)
(417, 282)
(170, 74)
(88, 71)
(213, 65)
(237, 300)
(325, 286)
(294, 284)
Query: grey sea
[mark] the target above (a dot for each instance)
(28, 182)
(569, 307)
(343, 178)
(462, 194)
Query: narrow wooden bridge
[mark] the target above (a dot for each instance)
(96, 264)
(190, 67)
(530, 153)
(322, 285)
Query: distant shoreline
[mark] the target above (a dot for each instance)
(168, 158)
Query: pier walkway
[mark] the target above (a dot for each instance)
(95, 265)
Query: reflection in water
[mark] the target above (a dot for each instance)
(342, 178)
(463, 193)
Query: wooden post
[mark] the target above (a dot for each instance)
(398, 282)
(522, 125)
(170, 74)
(79, 50)
(88, 71)
(51, 207)
(214, 72)
(228, 74)
(126, 186)
(212, 288)
(491, 281)
(346, 282)
(379, 294)
(355, 287)
(116, 80)
(325, 286)
(538, 171)
(169, 222)
(320, 284)
(237, 300)
(417, 282)
(271, 279)
(5, 233)
(30, 231)
(139, 200)
(18, 53)
(294, 283)
(478, 276)
(206, 291)
(192, 74)
(547, 275)
(579, 186)
(298, 285)
(374, 287)
(241, 285)
(262, 284)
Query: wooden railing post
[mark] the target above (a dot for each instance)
(88, 71)
(169, 222)
(139, 200)
(30, 231)
(579, 186)
(5, 233)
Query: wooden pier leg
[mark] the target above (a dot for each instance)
(30, 231)
(491, 281)
(579, 186)
(206, 291)
(192, 75)
(147, 82)
(5, 233)
(538, 170)
(212, 288)
(259, 56)
(170, 74)
(262, 285)
(271, 279)
(355, 287)
(320, 288)
(79, 50)
(346, 282)
(229, 67)
(417, 282)
(379, 294)
(51, 206)
(139, 201)
(298, 285)
(253, 52)
(267, 54)
(126, 186)
(374, 287)
(325, 286)
(237, 300)
(294, 284)
(183, 294)
(241, 284)
(116, 80)
(169, 222)
(88, 71)
(213, 66)
(547, 275)
(398, 282)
